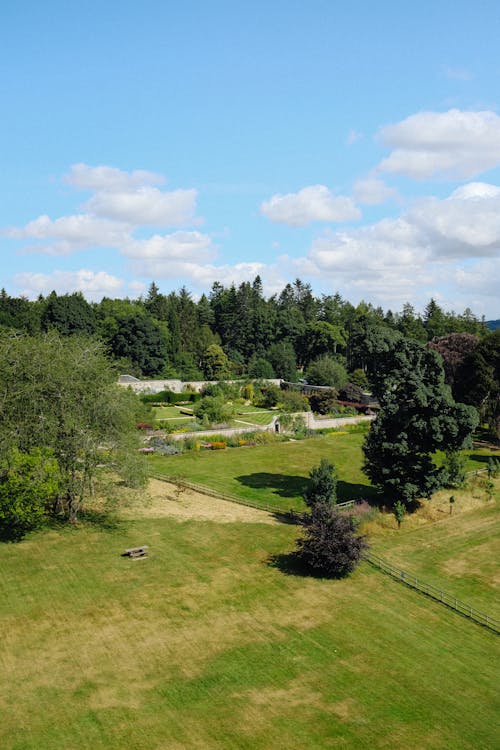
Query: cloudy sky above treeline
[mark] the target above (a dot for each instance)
(356, 146)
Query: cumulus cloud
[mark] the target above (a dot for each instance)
(145, 205)
(391, 243)
(312, 203)
(176, 246)
(94, 285)
(444, 244)
(70, 233)
(105, 178)
(372, 191)
(122, 203)
(457, 144)
(467, 224)
(477, 280)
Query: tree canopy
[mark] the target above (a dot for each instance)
(418, 416)
(60, 395)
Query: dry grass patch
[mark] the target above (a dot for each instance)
(165, 499)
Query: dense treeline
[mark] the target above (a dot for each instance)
(233, 330)
(236, 330)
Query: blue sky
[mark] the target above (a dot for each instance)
(356, 146)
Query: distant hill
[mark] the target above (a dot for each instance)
(493, 324)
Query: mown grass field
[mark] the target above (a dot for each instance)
(277, 473)
(210, 643)
(213, 642)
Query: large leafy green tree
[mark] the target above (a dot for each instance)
(418, 416)
(68, 314)
(60, 394)
(321, 338)
(141, 340)
(326, 370)
(29, 485)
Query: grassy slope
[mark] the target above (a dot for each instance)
(205, 645)
(458, 553)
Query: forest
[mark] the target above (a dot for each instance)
(235, 331)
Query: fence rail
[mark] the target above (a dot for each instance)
(434, 592)
(220, 495)
(378, 562)
(203, 489)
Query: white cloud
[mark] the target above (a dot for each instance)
(372, 250)
(478, 280)
(136, 288)
(455, 144)
(312, 203)
(105, 178)
(70, 233)
(145, 205)
(93, 284)
(465, 225)
(372, 191)
(183, 246)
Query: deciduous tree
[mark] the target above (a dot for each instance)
(61, 395)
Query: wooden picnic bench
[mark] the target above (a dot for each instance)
(136, 551)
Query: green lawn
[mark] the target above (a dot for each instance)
(255, 415)
(276, 473)
(170, 412)
(207, 645)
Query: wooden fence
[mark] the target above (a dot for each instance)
(269, 507)
(378, 562)
(434, 592)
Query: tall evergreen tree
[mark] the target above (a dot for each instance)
(418, 416)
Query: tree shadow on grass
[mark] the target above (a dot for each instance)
(12, 535)
(291, 486)
(284, 485)
(353, 491)
(482, 459)
(102, 519)
(291, 565)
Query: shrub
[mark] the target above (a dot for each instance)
(327, 370)
(258, 367)
(247, 392)
(269, 396)
(263, 438)
(163, 447)
(323, 402)
(213, 410)
(293, 401)
(322, 487)
(358, 377)
(453, 471)
(330, 544)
